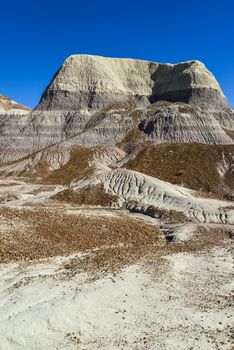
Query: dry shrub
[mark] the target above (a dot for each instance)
(113, 241)
(183, 107)
(90, 195)
(52, 232)
(77, 168)
(191, 164)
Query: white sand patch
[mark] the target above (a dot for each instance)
(182, 308)
(93, 212)
(26, 193)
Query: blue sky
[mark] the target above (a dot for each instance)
(37, 36)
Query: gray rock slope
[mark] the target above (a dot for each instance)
(185, 123)
(93, 82)
(96, 101)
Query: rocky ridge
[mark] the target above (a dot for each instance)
(93, 82)
(97, 100)
(8, 106)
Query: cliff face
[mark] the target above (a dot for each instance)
(95, 101)
(93, 82)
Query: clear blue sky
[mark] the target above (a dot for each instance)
(37, 35)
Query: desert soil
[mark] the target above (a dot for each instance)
(86, 277)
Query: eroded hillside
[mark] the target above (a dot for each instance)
(117, 214)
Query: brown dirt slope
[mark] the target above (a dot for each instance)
(41, 233)
(76, 169)
(91, 195)
(193, 165)
(34, 233)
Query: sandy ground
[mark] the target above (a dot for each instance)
(181, 301)
(166, 296)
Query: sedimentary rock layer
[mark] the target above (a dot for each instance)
(93, 82)
(9, 106)
(98, 101)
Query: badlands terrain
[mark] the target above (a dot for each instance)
(117, 214)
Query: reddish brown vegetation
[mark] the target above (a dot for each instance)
(191, 164)
(90, 195)
(41, 233)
